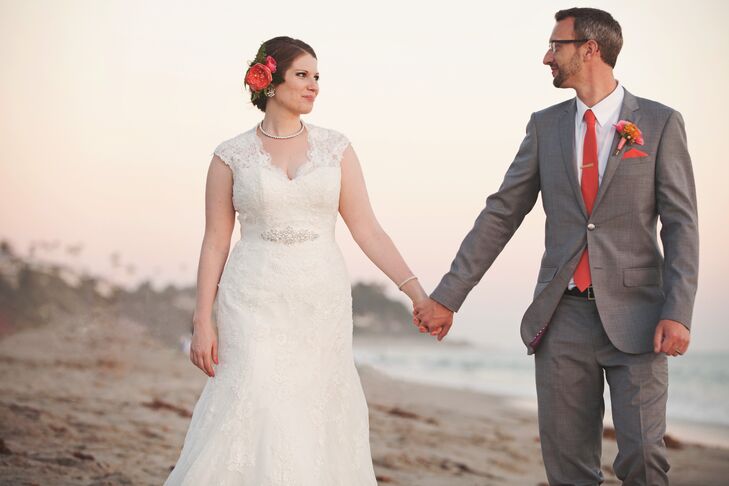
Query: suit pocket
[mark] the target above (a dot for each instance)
(641, 277)
(636, 164)
(546, 274)
(636, 159)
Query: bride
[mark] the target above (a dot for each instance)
(283, 404)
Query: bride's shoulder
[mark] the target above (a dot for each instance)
(329, 140)
(233, 149)
(322, 134)
(238, 140)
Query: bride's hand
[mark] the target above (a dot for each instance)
(204, 348)
(419, 299)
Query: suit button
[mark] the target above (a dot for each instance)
(591, 226)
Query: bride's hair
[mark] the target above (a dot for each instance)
(284, 50)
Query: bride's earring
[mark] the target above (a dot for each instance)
(270, 91)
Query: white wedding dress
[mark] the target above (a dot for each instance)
(286, 406)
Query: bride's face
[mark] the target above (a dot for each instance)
(300, 87)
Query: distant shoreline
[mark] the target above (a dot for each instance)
(708, 434)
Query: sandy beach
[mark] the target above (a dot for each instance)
(98, 400)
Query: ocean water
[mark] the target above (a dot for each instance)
(698, 389)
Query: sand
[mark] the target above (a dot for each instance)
(97, 400)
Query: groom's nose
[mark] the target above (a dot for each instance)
(548, 57)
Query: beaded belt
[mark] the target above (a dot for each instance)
(288, 235)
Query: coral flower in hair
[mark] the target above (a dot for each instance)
(271, 64)
(259, 76)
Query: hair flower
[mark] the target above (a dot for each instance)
(258, 77)
(261, 74)
(271, 64)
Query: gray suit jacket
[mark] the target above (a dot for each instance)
(635, 284)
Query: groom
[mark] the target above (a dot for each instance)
(606, 300)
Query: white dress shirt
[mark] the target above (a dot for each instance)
(607, 114)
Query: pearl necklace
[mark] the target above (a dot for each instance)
(283, 137)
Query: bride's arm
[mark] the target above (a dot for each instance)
(219, 223)
(356, 210)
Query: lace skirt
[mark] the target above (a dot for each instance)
(286, 406)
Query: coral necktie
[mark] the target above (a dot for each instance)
(589, 185)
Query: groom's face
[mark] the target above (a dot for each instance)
(565, 61)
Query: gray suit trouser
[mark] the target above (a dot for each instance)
(570, 363)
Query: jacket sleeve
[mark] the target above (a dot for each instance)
(676, 206)
(495, 225)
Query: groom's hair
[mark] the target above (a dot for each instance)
(597, 25)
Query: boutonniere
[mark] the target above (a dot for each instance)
(629, 132)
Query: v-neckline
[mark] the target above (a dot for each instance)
(268, 160)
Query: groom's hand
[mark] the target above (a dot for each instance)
(434, 317)
(671, 338)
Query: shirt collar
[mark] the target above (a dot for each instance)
(606, 108)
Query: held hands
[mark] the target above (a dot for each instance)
(671, 338)
(428, 315)
(432, 317)
(204, 348)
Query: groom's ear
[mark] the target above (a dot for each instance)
(592, 50)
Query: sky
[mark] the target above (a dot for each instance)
(111, 111)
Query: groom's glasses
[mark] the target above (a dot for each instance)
(554, 43)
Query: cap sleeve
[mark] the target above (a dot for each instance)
(329, 146)
(340, 143)
(226, 152)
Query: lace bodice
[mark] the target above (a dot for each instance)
(269, 203)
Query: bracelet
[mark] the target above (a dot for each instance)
(399, 287)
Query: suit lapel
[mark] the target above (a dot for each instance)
(629, 111)
(567, 140)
